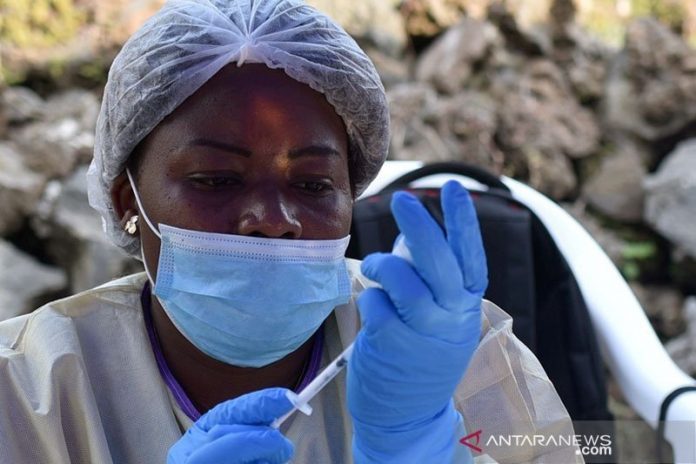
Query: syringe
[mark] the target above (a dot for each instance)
(301, 401)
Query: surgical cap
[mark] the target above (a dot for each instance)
(188, 41)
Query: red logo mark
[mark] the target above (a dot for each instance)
(476, 436)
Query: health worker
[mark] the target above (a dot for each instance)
(233, 138)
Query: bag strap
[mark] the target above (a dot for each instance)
(663, 417)
(447, 167)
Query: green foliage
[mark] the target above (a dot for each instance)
(645, 256)
(30, 23)
(607, 20)
(671, 12)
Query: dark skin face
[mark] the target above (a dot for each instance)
(252, 152)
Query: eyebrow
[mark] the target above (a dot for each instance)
(311, 150)
(201, 142)
(314, 150)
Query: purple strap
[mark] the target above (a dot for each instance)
(309, 371)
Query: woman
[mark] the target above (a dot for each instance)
(233, 138)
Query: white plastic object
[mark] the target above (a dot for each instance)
(630, 347)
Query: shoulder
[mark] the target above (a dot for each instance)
(65, 370)
(119, 297)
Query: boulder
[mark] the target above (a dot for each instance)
(616, 189)
(391, 70)
(25, 284)
(651, 84)
(448, 64)
(370, 22)
(542, 125)
(20, 188)
(682, 271)
(53, 148)
(531, 42)
(683, 348)
(429, 18)
(411, 137)
(77, 104)
(21, 104)
(75, 239)
(467, 123)
(664, 306)
(607, 239)
(549, 172)
(541, 113)
(421, 142)
(584, 60)
(670, 204)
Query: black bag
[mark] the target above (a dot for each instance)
(528, 278)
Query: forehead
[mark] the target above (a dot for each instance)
(259, 108)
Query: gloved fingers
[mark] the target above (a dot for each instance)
(432, 256)
(398, 278)
(255, 408)
(247, 444)
(464, 236)
(411, 296)
(376, 310)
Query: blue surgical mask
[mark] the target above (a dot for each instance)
(247, 301)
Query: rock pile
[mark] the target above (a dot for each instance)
(44, 149)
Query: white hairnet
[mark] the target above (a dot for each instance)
(188, 41)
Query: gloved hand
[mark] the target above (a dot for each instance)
(236, 432)
(418, 334)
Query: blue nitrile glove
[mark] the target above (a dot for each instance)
(237, 431)
(418, 335)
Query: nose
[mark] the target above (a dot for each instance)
(267, 213)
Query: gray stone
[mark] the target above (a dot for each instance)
(610, 243)
(585, 62)
(616, 189)
(411, 138)
(371, 22)
(75, 239)
(550, 173)
(683, 348)
(651, 85)
(391, 70)
(541, 125)
(422, 142)
(428, 18)
(529, 42)
(663, 305)
(25, 283)
(682, 270)
(77, 104)
(21, 104)
(467, 123)
(53, 148)
(20, 188)
(670, 205)
(449, 62)
(541, 114)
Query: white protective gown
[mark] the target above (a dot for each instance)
(79, 384)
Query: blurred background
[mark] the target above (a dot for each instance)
(593, 102)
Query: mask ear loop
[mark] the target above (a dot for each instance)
(149, 224)
(140, 205)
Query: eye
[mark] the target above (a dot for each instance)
(315, 187)
(210, 181)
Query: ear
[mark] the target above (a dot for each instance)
(123, 199)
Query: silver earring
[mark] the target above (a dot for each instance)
(132, 225)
